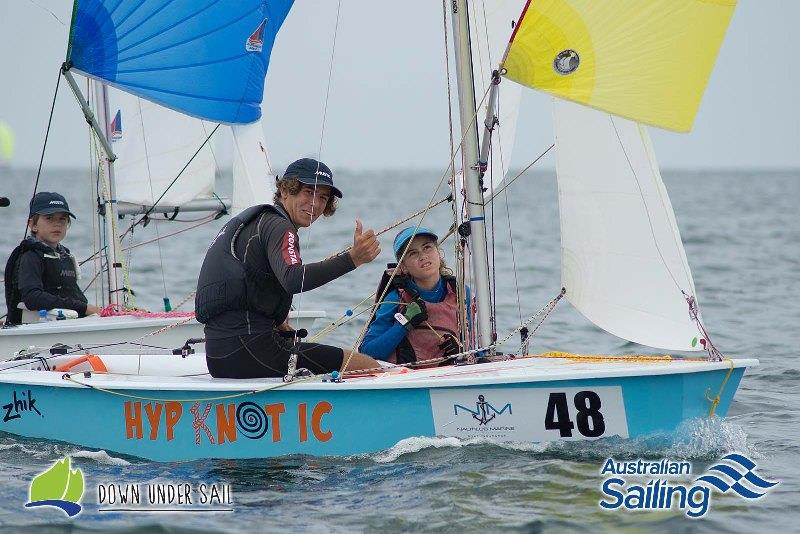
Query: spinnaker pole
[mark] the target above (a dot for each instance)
(471, 169)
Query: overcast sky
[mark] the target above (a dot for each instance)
(387, 106)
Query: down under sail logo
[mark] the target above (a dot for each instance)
(255, 43)
(58, 486)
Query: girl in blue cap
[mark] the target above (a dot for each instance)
(418, 318)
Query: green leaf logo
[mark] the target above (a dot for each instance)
(59, 486)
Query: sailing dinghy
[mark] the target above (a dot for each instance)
(623, 263)
(165, 163)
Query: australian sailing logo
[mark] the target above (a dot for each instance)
(484, 413)
(58, 486)
(734, 474)
(255, 43)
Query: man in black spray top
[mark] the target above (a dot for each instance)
(252, 269)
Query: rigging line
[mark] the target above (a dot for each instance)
(44, 145)
(151, 208)
(466, 130)
(150, 183)
(40, 6)
(458, 251)
(399, 222)
(204, 220)
(95, 220)
(644, 202)
(321, 140)
(493, 293)
(513, 255)
(523, 171)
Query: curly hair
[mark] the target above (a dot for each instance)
(292, 186)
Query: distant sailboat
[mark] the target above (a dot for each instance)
(623, 263)
(6, 144)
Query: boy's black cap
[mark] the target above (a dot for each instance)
(44, 203)
(310, 171)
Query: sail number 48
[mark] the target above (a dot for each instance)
(588, 417)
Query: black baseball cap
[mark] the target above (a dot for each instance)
(44, 203)
(311, 172)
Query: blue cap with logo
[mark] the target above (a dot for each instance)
(44, 203)
(311, 172)
(405, 235)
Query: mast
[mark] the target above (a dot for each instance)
(109, 212)
(471, 168)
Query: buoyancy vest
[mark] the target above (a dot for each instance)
(58, 278)
(422, 343)
(226, 283)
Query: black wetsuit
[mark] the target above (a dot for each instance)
(241, 336)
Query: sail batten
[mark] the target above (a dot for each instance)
(206, 61)
(646, 61)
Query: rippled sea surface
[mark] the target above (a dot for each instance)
(742, 239)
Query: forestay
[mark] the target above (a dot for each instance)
(646, 61)
(622, 260)
(491, 24)
(206, 58)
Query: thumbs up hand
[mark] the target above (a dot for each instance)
(365, 245)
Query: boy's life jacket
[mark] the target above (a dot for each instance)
(226, 283)
(59, 276)
(422, 343)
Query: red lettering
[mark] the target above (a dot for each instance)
(316, 420)
(301, 422)
(174, 410)
(154, 418)
(133, 421)
(226, 424)
(274, 411)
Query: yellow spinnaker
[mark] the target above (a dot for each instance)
(645, 60)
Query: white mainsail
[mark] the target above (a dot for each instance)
(253, 179)
(622, 260)
(490, 25)
(152, 145)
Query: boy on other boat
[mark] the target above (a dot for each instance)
(418, 319)
(41, 272)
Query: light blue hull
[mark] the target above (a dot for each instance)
(335, 419)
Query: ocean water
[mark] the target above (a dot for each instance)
(742, 239)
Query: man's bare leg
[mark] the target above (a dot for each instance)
(355, 361)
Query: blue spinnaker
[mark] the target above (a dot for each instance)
(205, 58)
